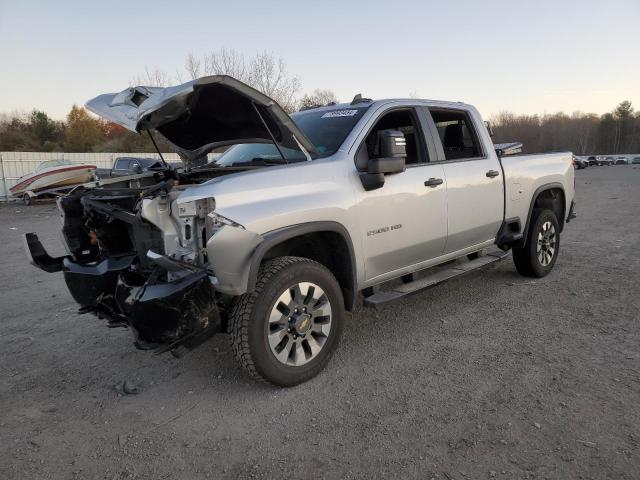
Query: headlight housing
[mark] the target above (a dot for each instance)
(196, 208)
(218, 221)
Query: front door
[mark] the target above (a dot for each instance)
(405, 221)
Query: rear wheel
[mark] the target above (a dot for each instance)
(26, 199)
(285, 331)
(540, 252)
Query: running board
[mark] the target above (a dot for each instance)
(381, 297)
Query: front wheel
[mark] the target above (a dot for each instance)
(285, 331)
(540, 252)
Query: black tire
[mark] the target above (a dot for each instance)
(532, 261)
(249, 320)
(26, 199)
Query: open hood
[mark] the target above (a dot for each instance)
(202, 114)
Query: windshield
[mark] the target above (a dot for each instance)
(327, 129)
(258, 154)
(53, 163)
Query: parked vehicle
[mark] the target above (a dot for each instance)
(130, 166)
(606, 161)
(579, 163)
(51, 177)
(274, 240)
(593, 161)
(621, 161)
(635, 161)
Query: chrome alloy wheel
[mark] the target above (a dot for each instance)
(546, 247)
(299, 324)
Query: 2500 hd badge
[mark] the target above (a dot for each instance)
(384, 229)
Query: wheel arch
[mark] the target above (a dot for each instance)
(327, 243)
(551, 196)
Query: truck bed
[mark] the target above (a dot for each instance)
(524, 174)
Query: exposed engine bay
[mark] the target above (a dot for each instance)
(137, 262)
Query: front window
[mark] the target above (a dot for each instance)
(123, 164)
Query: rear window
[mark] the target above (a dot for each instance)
(457, 135)
(327, 129)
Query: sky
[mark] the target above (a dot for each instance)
(520, 56)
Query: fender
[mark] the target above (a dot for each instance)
(275, 237)
(534, 197)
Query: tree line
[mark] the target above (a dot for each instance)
(581, 133)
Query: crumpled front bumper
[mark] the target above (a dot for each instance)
(162, 314)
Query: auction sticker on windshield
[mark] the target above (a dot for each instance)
(340, 113)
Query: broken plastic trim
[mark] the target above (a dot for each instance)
(38, 256)
(168, 312)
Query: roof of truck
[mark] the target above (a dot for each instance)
(369, 103)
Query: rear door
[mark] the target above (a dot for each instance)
(475, 198)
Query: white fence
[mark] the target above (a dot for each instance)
(14, 165)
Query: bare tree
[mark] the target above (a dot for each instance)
(192, 66)
(152, 78)
(268, 74)
(264, 71)
(226, 62)
(317, 98)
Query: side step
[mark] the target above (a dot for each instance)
(384, 296)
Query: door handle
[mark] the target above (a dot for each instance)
(493, 173)
(433, 182)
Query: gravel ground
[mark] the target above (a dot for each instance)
(489, 376)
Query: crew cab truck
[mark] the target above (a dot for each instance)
(274, 241)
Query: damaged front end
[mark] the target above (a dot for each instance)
(141, 257)
(116, 267)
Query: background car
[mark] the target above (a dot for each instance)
(593, 161)
(636, 161)
(579, 164)
(621, 161)
(606, 161)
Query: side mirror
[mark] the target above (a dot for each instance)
(386, 165)
(392, 157)
(393, 153)
(137, 168)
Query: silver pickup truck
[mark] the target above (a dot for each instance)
(276, 239)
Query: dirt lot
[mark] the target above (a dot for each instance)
(489, 376)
